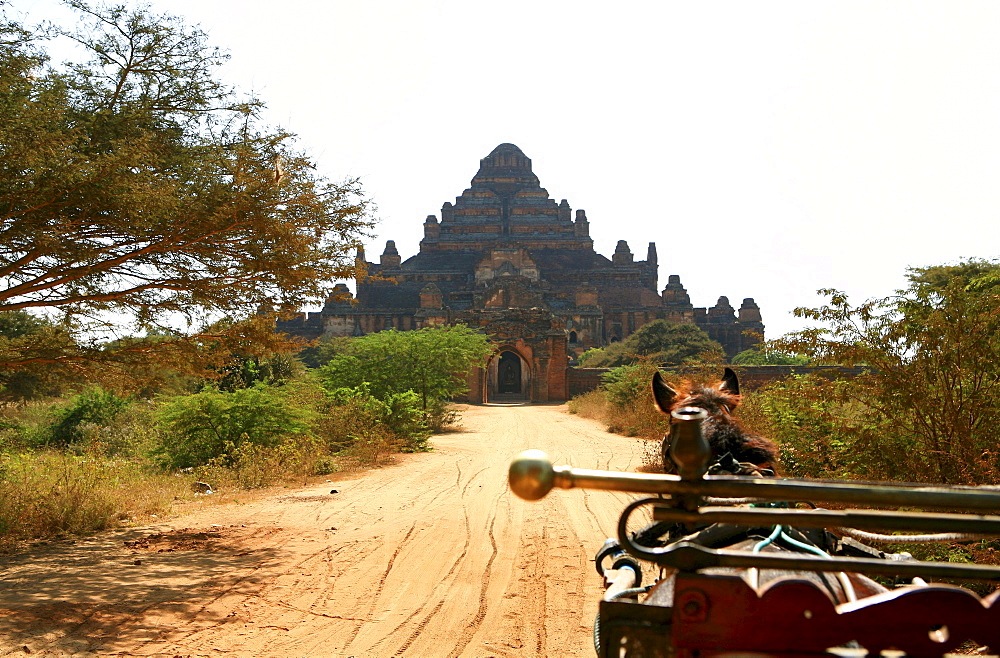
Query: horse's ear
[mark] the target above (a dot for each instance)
(730, 382)
(663, 395)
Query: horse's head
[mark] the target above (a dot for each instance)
(721, 429)
(719, 399)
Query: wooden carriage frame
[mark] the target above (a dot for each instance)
(723, 615)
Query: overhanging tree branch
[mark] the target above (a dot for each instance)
(136, 182)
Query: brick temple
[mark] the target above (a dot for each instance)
(510, 260)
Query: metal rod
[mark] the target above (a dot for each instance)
(865, 520)
(532, 476)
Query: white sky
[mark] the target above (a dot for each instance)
(768, 148)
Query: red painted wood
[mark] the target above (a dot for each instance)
(723, 613)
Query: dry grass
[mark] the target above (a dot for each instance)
(46, 494)
(592, 404)
(110, 477)
(53, 494)
(638, 419)
(49, 493)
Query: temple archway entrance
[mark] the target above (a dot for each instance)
(508, 377)
(509, 373)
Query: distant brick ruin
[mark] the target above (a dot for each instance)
(508, 259)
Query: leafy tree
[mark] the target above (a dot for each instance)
(591, 356)
(433, 362)
(975, 274)
(20, 331)
(136, 189)
(661, 342)
(322, 351)
(926, 406)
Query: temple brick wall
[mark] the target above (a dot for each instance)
(583, 380)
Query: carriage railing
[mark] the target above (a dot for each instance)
(682, 500)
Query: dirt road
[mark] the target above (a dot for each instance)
(432, 556)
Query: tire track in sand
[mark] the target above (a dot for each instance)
(381, 586)
(454, 567)
(473, 625)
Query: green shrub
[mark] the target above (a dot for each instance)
(252, 465)
(398, 415)
(355, 428)
(132, 434)
(440, 414)
(405, 418)
(372, 445)
(214, 424)
(338, 421)
(627, 385)
(70, 423)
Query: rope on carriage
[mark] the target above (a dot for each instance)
(843, 578)
(941, 537)
(779, 531)
(754, 572)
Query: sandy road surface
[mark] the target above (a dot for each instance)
(430, 557)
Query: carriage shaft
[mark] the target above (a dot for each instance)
(730, 486)
(863, 520)
(691, 557)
